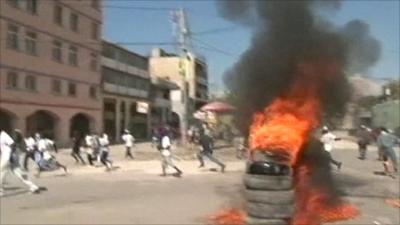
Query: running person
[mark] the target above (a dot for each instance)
(207, 151)
(129, 143)
(10, 164)
(48, 162)
(386, 143)
(165, 149)
(105, 152)
(328, 139)
(76, 148)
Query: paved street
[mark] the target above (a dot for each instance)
(136, 194)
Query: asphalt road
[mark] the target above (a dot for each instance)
(136, 194)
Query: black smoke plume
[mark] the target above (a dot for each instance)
(284, 34)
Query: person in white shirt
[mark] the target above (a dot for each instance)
(129, 143)
(105, 152)
(31, 147)
(167, 156)
(47, 161)
(7, 165)
(89, 149)
(328, 139)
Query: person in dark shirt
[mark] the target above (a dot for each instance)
(76, 148)
(207, 151)
(364, 139)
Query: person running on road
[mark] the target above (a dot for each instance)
(207, 151)
(76, 148)
(364, 138)
(105, 152)
(10, 163)
(89, 149)
(48, 162)
(31, 147)
(328, 139)
(386, 143)
(165, 149)
(129, 143)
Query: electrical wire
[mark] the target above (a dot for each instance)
(211, 47)
(215, 30)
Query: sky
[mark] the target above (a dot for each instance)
(146, 24)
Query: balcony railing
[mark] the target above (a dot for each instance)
(161, 102)
(117, 89)
(114, 64)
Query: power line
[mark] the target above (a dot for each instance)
(215, 30)
(211, 47)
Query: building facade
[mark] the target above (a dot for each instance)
(161, 105)
(49, 67)
(126, 90)
(190, 74)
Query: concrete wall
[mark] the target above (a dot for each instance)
(387, 114)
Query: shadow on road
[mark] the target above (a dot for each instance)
(352, 186)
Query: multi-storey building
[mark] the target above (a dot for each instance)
(189, 73)
(126, 89)
(49, 67)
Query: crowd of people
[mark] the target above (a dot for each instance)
(17, 151)
(385, 140)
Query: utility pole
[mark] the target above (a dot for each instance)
(184, 61)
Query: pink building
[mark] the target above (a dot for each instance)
(50, 67)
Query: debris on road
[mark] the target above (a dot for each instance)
(393, 202)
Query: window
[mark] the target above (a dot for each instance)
(95, 31)
(57, 51)
(13, 3)
(32, 6)
(71, 89)
(73, 56)
(166, 94)
(93, 62)
(74, 21)
(30, 43)
(12, 80)
(93, 92)
(56, 86)
(30, 83)
(95, 4)
(58, 14)
(12, 37)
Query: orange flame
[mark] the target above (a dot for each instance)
(284, 127)
(315, 205)
(229, 217)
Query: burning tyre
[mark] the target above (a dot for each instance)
(269, 193)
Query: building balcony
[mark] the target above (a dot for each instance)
(117, 89)
(116, 65)
(161, 102)
(202, 80)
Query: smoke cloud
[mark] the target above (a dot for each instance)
(286, 33)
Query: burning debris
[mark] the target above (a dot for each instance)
(228, 217)
(291, 79)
